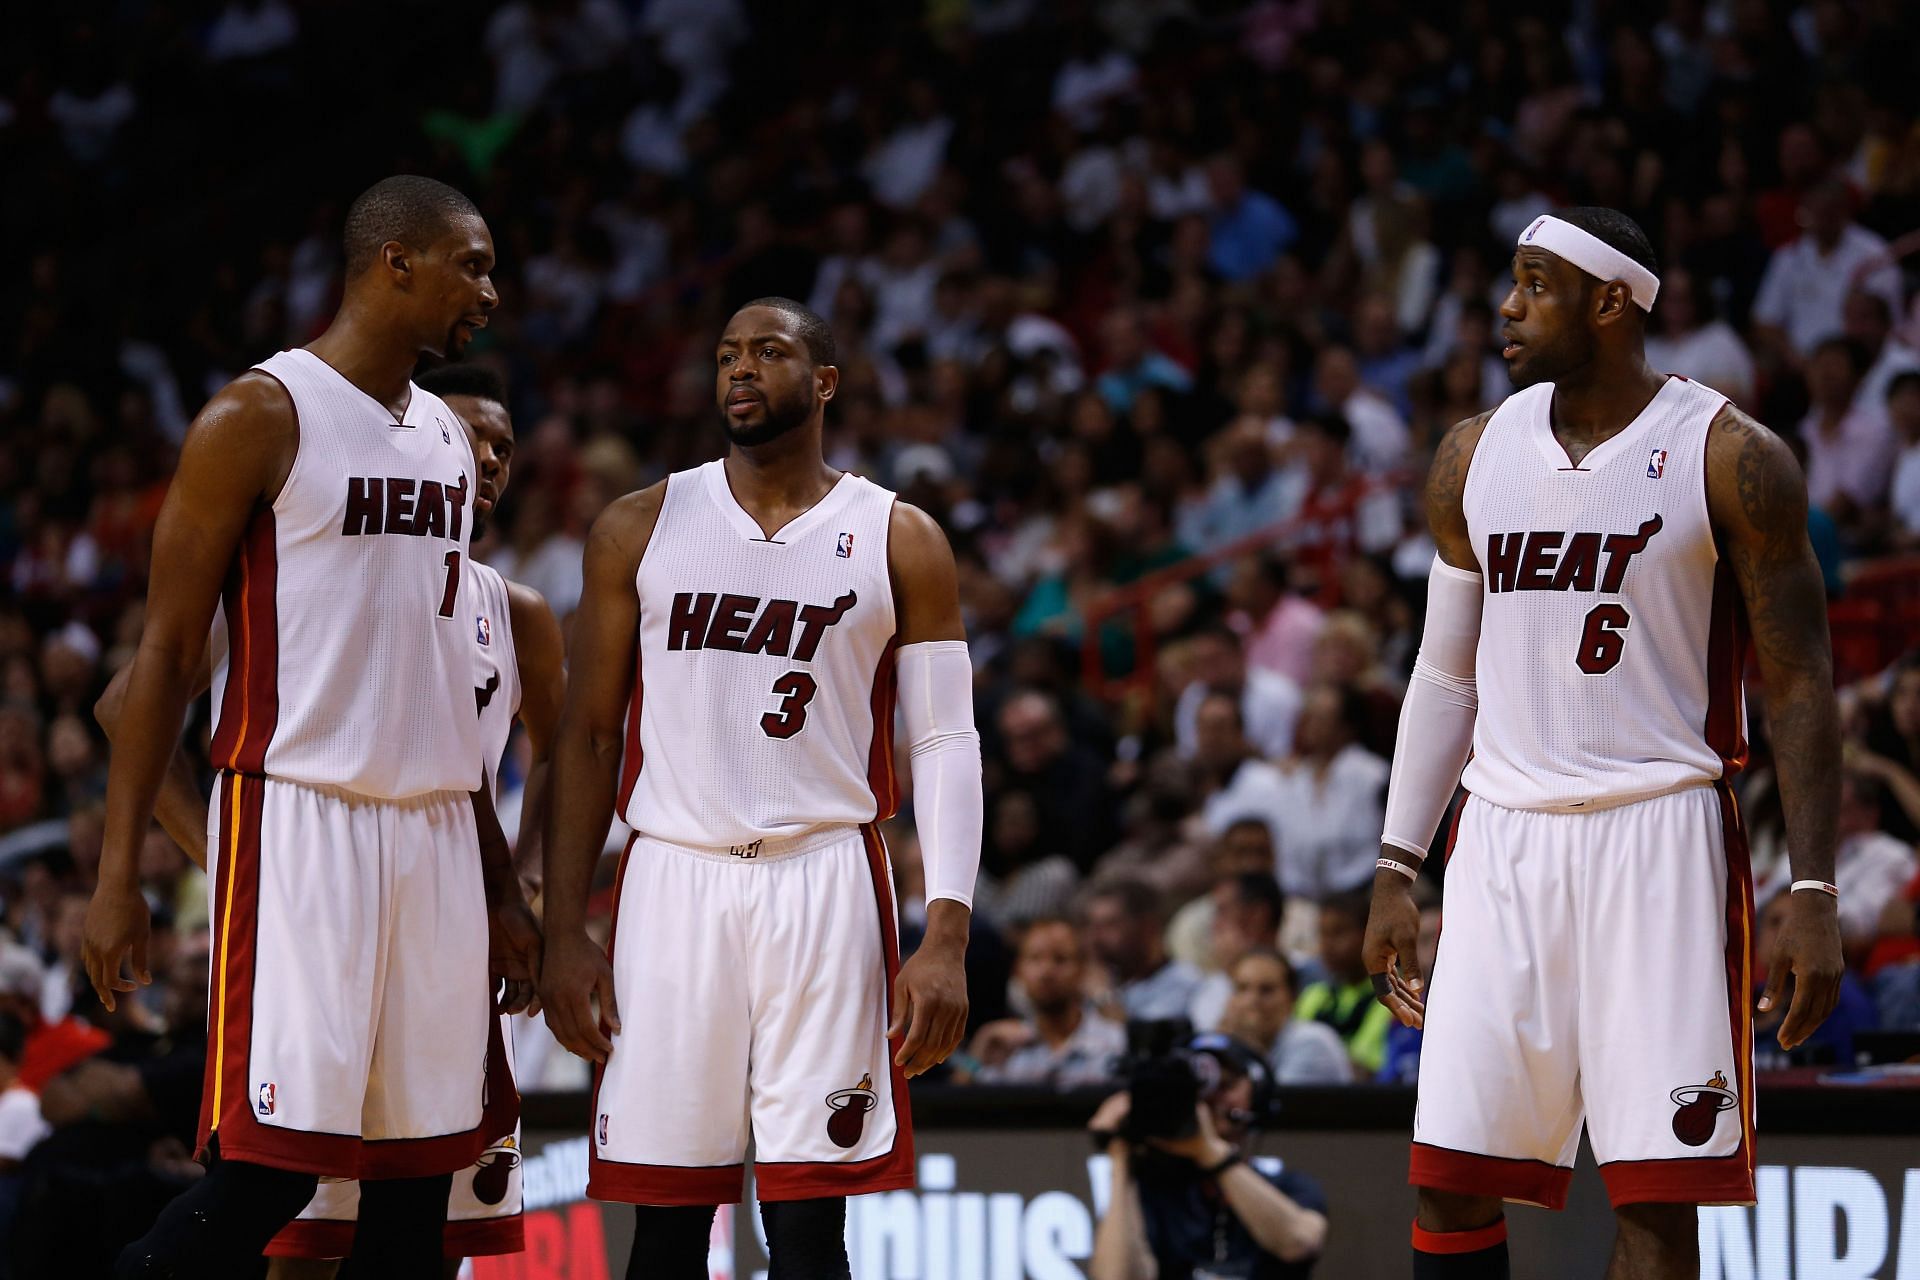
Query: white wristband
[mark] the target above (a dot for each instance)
(1821, 885)
(1389, 864)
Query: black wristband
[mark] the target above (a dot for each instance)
(1214, 1171)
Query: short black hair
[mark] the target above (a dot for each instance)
(1902, 382)
(815, 332)
(1615, 229)
(1330, 423)
(406, 207)
(1351, 903)
(463, 378)
(1138, 899)
(1254, 889)
(1858, 357)
(1275, 956)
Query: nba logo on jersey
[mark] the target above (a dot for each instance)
(844, 548)
(266, 1098)
(445, 438)
(482, 629)
(1656, 464)
(603, 1128)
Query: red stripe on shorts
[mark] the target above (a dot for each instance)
(631, 760)
(1468, 1174)
(250, 699)
(230, 1109)
(805, 1180)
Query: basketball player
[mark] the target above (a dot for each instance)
(734, 666)
(1607, 537)
(518, 647)
(326, 502)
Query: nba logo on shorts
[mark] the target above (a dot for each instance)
(844, 549)
(482, 629)
(603, 1128)
(1656, 464)
(266, 1098)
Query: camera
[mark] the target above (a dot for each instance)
(1169, 1071)
(1165, 1078)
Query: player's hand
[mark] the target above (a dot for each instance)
(1808, 948)
(1393, 930)
(513, 954)
(573, 973)
(1203, 1146)
(116, 933)
(929, 1007)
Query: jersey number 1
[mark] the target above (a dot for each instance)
(1603, 638)
(796, 690)
(453, 585)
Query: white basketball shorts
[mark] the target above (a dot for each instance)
(1593, 967)
(483, 1209)
(350, 1000)
(754, 987)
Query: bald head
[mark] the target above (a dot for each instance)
(406, 209)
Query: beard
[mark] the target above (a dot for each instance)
(1554, 362)
(778, 420)
(478, 527)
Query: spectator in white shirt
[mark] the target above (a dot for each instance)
(904, 164)
(1903, 413)
(1093, 74)
(1850, 451)
(1802, 298)
(1239, 783)
(1260, 1012)
(1870, 867)
(1269, 701)
(1694, 342)
(1327, 825)
(1063, 1041)
(1870, 323)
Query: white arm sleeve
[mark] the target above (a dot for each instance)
(1440, 705)
(943, 751)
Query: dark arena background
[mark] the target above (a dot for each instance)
(1159, 307)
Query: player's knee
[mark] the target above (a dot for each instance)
(1672, 1228)
(1453, 1211)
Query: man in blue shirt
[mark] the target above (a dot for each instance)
(1250, 229)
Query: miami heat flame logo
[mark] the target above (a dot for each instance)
(492, 1169)
(850, 1107)
(1700, 1107)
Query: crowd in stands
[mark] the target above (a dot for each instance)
(1115, 285)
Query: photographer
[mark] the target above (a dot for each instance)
(1188, 1206)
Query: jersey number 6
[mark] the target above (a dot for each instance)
(1603, 637)
(796, 689)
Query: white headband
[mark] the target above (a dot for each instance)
(1592, 255)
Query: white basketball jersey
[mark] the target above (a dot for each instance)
(763, 702)
(496, 673)
(350, 639)
(1611, 637)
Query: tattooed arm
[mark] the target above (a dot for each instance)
(1758, 502)
(1447, 488)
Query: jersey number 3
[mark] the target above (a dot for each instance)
(1603, 637)
(796, 690)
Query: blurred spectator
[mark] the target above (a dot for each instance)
(1850, 453)
(1269, 702)
(1249, 228)
(1344, 1000)
(1260, 1010)
(1132, 364)
(1693, 341)
(1331, 796)
(1903, 413)
(1375, 436)
(1072, 806)
(1279, 625)
(1248, 492)
(1063, 1041)
(1237, 783)
(1802, 298)
(1868, 322)
(1341, 513)
(1871, 867)
(1124, 929)
(1247, 909)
